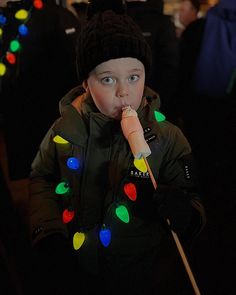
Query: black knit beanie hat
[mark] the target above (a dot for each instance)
(109, 34)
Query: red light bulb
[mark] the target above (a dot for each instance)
(38, 4)
(11, 58)
(130, 191)
(68, 215)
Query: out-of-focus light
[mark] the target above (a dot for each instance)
(23, 30)
(2, 69)
(11, 58)
(38, 4)
(21, 14)
(3, 19)
(14, 46)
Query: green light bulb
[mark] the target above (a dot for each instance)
(62, 188)
(122, 213)
(159, 116)
(14, 46)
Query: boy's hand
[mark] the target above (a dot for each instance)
(175, 205)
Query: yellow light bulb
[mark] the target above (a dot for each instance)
(78, 240)
(21, 14)
(2, 69)
(59, 139)
(140, 165)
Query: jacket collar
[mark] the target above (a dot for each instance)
(73, 125)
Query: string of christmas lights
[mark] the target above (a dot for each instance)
(63, 190)
(9, 57)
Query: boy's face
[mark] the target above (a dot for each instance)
(115, 84)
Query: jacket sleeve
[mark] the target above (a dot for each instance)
(178, 172)
(44, 204)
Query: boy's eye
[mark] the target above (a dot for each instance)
(107, 80)
(133, 78)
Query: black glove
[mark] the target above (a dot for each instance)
(175, 205)
(56, 249)
(54, 266)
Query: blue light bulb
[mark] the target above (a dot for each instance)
(73, 163)
(23, 30)
(3, 19)
(105, 236)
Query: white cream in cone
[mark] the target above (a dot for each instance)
(133, 132)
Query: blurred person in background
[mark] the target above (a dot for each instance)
(81, 10)
(159, 31)
(188, 12)
(43, 72)
(208, 91)
(14, 243)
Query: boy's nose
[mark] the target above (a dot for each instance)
(122, 92)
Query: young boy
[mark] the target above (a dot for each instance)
(96, 221)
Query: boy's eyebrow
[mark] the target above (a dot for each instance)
(105, 72)
(136, 70)
(110, 72)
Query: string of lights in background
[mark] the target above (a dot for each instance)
(9, 57)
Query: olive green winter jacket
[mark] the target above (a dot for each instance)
(94, 188)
